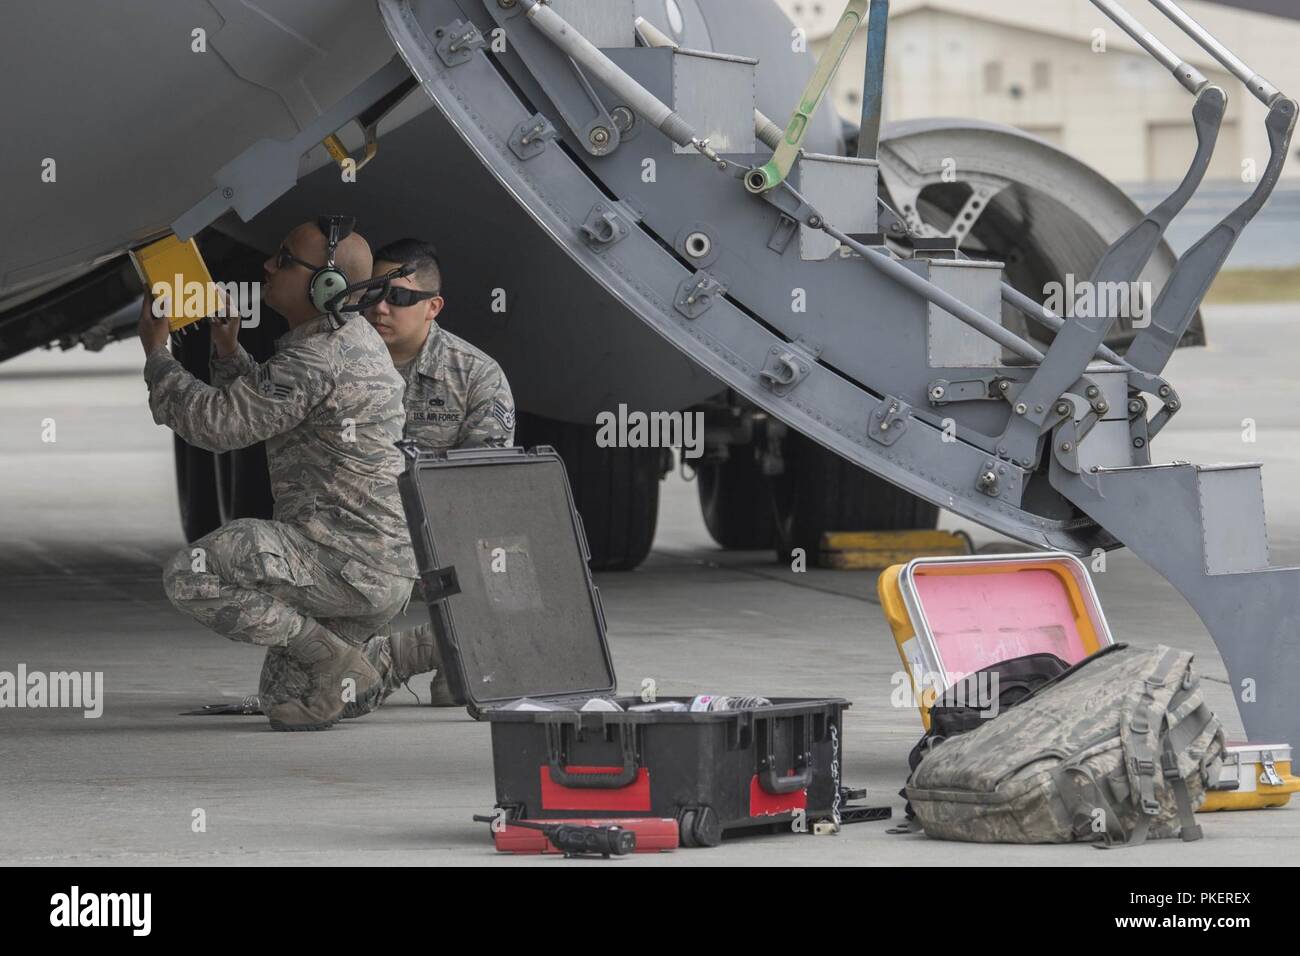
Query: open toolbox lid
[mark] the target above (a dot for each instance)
(503, 558)
(971, 612)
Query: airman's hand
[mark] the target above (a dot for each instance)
(225, 328)
(154, 331)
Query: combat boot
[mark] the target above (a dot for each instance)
(416, 652)
(330, 661)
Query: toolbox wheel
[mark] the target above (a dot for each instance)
(707, 829)
(686, 828)
(699, 826)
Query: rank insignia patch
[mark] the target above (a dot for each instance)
(503, 413)
(269, 388)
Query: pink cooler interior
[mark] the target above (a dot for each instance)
(981, 619)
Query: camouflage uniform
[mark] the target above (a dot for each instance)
(337, 551)
(457, 396)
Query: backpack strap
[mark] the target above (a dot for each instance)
(1078, 812)
(1142, 758)
(1189, 829)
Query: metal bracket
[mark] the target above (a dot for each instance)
(604, 227)
(1139, 432)
(696, 292)
(1270, 775)
(987, 480)
(787, 366)
(1170, 404)
(1019, 440)
(589, 121)
(268, 169)
(889, 420)
(457, 42)
(784, 230)
(440, 584)
(1001, 479)
(531, 136)
(601, 135)
(942, 391)
(1065, 445)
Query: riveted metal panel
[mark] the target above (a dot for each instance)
(606, 23)
(1232, 518)
(951, 342)
(715, 94)
(844, 189)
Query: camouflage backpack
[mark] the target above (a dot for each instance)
(1118, 749)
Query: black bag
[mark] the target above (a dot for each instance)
(963, 706)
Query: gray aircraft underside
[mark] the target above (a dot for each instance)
(659, 291)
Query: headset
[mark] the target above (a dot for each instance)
(329, 281)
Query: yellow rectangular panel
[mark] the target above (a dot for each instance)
(177, 265)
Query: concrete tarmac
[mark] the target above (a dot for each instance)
(87, 519)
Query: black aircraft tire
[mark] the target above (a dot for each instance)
(822, 492)
(736, 501)
(616, 490)
(214, 489)
(196, 490)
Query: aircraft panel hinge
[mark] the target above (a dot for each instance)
(531, 136)
(889, 420)
(696, 293)
(457, 42)
(787, 365)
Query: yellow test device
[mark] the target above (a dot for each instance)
(179, 266)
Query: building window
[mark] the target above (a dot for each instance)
(1042, 73)
(992, 77)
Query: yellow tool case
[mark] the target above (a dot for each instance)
(953, 616)
(1254, 776)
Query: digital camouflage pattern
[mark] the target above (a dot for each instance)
(1084, 758)
(457, 396)
(337, 552)
(264, 582)
(329, 407)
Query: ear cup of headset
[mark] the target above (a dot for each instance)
(326, 285)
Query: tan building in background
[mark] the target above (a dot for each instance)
(1061, 70)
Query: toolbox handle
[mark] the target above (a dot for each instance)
(776, 786)
(767, 775)
(591, 781)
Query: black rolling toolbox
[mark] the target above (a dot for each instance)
(503, 566)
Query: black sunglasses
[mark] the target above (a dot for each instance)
(402, 297)
(284, 257)
(393, 295)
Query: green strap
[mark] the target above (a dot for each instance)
(1190, 727)
(1114, 832)
(775, 171)
(1143, 758)
(1189, 829)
